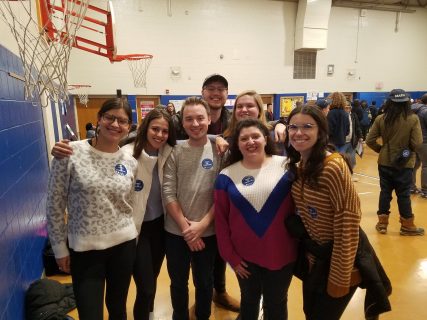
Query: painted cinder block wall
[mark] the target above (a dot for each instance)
(23, 182)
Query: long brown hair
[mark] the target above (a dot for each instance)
(141, 136)
(314, 165)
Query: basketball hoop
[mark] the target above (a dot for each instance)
(44, 48)
(82, 91)
(138, 65)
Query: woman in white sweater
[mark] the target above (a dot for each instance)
(95, 186)
(152, 146)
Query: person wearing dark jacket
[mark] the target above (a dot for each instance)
(420, 109)
(357, 109)
(353, 138)
(338, 123)
(400, 131)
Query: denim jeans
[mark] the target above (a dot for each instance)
(400, 181)
(421, 162)
(272, 285)
(349, 150)
(179, 259)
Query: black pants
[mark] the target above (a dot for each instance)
(179, 259)
(272, 285)
(91, 270)
(219, 273)
(319, 305)
(150, 252)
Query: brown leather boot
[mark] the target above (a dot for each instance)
(382, 223)
(408, 228)
(225, 301)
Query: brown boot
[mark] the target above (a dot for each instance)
(382, 223)
(408, 228)
(223, 300)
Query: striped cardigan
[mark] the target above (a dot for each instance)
(331, 211)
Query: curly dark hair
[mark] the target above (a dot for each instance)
(314, 165)
(235, 153)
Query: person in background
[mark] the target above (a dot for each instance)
(170, 108)
(90, 130)
(188, 186)
(269, 115)
(373, 110)
(420, 109)
(324, 105)
(249, 219)
(329, 207)
(96, 240)
(353, 138)
(365, 123)
(357, 109)
(398, 127)
(338, 123)
(151, 147)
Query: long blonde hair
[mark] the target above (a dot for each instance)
(261, 114)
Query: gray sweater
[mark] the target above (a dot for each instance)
(189, 177)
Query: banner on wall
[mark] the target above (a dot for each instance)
(287, 104)
(146, 107)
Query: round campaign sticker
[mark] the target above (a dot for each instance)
(312, 212)
(139, 185)
(207, 163)
(121, 169)
(248, 180)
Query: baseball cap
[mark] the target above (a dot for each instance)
(398, 95)
(323, 103)
(215, 78)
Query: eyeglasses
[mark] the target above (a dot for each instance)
(303, 127)
(110, 119)
(213, 89)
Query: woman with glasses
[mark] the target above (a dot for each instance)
(250, 211)
(329, 207)
(95, 241)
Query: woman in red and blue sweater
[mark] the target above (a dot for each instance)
(252, 200)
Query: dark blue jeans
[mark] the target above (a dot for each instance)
(400, 181)
(179, 259)
(272, 285)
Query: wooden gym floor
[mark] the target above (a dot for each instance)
(404, 259)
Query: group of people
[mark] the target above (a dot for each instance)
(226, 194)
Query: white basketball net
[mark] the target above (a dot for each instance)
(138, 67)
(82, 91)
(45, 61)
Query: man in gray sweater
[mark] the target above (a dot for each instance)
(188, 185)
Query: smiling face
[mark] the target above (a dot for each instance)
(215, 94)
(113, 125)
(303, 133)
(195, 120)
(246, 107)
(157, 134)
(252, 143)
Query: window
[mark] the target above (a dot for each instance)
(305, 64)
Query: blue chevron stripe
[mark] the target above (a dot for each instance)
(258, 222)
